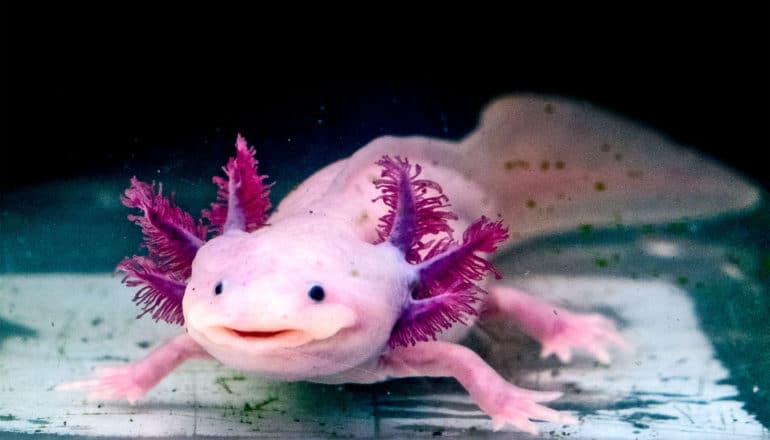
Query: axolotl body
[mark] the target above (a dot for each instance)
(376, 265)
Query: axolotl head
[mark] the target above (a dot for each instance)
(295, 300)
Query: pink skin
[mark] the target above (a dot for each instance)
(326, 233)
(132, 381)
(559, 331)
(265, 322)
(502, 401)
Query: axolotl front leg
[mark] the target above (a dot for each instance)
(558, 330)
(134, 380)
(501, 400)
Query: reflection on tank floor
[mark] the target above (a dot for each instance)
(671, 386)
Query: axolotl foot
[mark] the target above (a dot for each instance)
(133, 381)
(558, 330)
(590, 332)
(516, 406)
(111, 383)
(505, 403)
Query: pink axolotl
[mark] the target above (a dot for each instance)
(365, 271)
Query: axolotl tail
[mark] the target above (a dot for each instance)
(548, 165)
(554, 164)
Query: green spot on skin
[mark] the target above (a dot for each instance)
(8, 418)
(511, 164)
(585, 229)
(600, 186)
(682, 280)
(601, 262)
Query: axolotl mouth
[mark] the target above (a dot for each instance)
(259, 334)
(282, 348)
(220, 334)
(262, 337)
(275, 334)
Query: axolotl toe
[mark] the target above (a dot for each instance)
(366, 272)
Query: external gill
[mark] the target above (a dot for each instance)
(412, 214)
(447, 270)
(242, 199)
(172, 237)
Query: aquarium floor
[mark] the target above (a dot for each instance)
(58, 328)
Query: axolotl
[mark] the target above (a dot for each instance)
(376, 265)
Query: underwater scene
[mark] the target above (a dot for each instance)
(382, 259)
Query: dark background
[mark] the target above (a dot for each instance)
(97, 93)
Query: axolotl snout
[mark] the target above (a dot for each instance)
(376, 265)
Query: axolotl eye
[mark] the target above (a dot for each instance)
(316, 293)
(218, 288)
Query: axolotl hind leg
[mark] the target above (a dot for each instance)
(134, 380)
(558, 330)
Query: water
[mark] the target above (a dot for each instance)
(693, 295)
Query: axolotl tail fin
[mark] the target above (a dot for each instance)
(553, 164)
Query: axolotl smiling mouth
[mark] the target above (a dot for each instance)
(264, 338)
(260, 334)
(288, 337)
(273, 347)
(245, 336)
